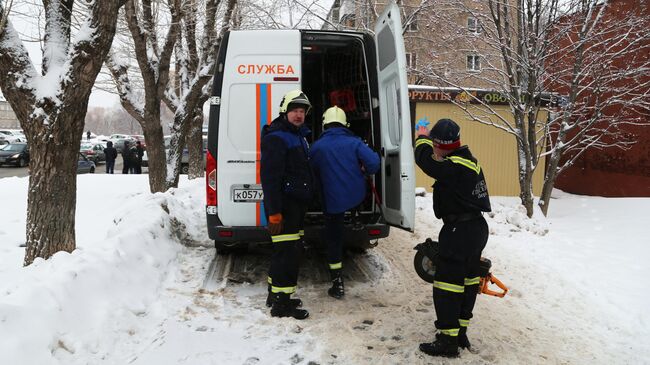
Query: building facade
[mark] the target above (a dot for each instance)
(495, 149)
(445, 40)
(613, 171)
(7, 116)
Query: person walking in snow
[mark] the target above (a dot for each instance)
(287, 184)
(340, 160)
(460, 196)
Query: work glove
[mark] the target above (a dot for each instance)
(421, 127)
(275, 224)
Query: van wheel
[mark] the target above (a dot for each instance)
(185, 169)
(92, 170)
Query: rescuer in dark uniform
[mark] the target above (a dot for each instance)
(459, 196)
(288, 187)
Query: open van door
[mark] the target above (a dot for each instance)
(398, 163)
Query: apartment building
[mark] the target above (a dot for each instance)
(445, 40)
(7, 116)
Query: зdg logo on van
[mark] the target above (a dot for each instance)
(266, 69)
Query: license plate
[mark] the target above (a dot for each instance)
(247, 195)
(2, 159)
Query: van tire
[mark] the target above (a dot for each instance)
(185, 169)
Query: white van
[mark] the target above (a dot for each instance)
(364, 74)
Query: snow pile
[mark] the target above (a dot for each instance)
(510, 217)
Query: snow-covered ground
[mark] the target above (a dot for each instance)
(131, 292)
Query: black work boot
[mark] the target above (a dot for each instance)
(463, 341)
(282, 307)
(444, 345)
(337, 290)
(294, 302)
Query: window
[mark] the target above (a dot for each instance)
(411, 59)
(413, 24)
(474, 62)
(473, 25)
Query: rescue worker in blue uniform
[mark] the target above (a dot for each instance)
(460, 196)
(340, 160)
(287, 184)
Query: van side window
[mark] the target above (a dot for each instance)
(394, 130)
(386, 48)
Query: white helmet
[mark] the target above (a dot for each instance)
(335, 115)
(294, 97)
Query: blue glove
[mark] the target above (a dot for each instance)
(422, 123)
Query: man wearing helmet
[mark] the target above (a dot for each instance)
(339, 159)
(459, 196)
(287, 185)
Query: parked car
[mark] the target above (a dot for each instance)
(13, 135)
(15, 154)
(93, 151)
(185, 158)
(118, 142)
(140, 137)
(84, 165)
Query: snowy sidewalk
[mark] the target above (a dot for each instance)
(131, 293)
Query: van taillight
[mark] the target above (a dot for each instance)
(210, 180)
(374, 232)
(225, 233)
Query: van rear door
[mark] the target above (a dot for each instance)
(396, 138)
(260, 67)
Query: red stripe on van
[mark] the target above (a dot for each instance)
(262, 117)
(258, 211)
(278, 78)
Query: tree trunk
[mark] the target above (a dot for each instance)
(195, 145)
(157, 165)
(549, 180)
(54, 123)
(52, 189)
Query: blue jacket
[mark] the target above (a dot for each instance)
(284, 169)
(336, 159)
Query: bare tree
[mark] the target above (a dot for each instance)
(153, 56)
(195, 66)
(527, 49)
(51, 109)
(599, 62)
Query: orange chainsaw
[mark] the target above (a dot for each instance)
(425, 267)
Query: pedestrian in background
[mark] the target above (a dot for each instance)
(127, 158)
(139, 153)
(111, 155)
(340, 160)
(460, 196)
